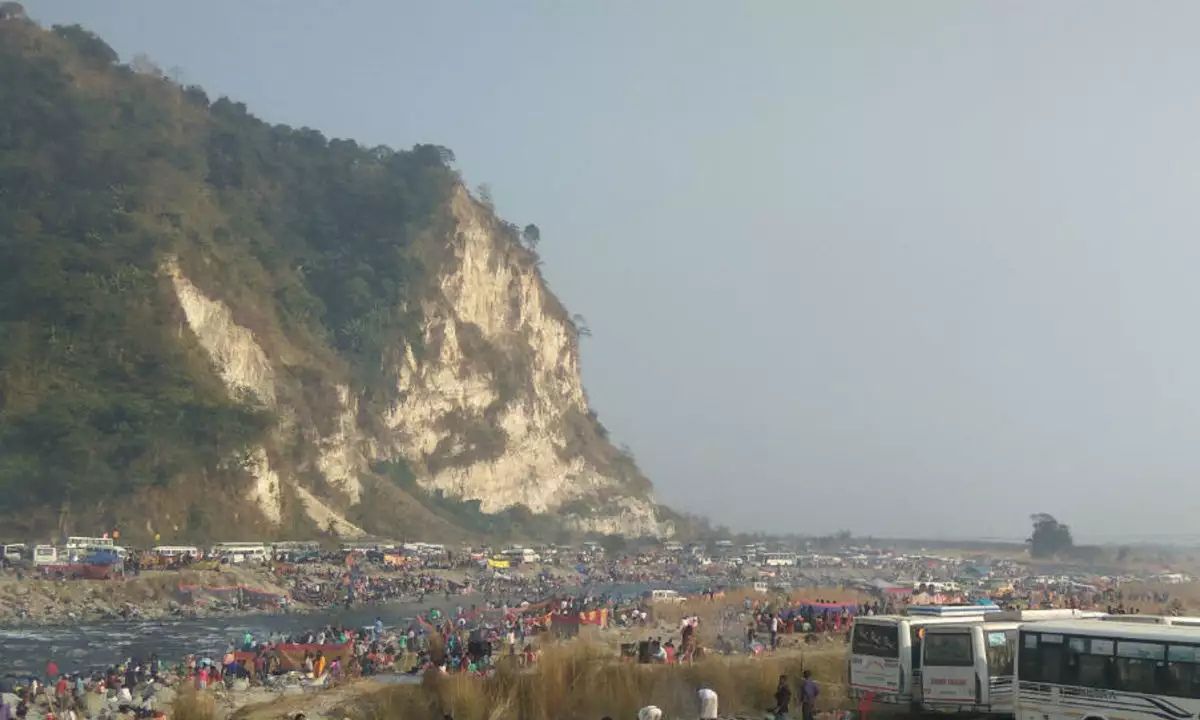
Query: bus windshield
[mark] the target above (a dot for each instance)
(948, 649)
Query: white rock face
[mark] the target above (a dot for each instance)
(490, 409)
(505, 301)
(245, 368)
(242, 363)
(265, 491)
(341, 458)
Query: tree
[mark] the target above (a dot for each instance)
(581, 325)
(1050, 537)
(485, 194)
(88, 44)
(11, 11)
(532, 236)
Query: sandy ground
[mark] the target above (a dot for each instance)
(260, 704)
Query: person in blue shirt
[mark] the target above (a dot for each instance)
(809, 690)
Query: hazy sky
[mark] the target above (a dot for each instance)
(916, 268)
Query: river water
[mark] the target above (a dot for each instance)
(87, 646)
(91, 645)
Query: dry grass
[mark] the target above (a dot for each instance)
(191, 705)
(583, 680)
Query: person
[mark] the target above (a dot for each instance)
(61, 691)
(378, 628)
(774, 631)
(809, 690)
(708, 703)
(783, 698)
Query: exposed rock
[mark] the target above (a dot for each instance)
(492, 410)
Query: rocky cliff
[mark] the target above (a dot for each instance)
(269, 329)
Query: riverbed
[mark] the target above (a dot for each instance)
(88, 646)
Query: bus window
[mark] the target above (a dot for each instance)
(949, 649)
(1030, 647)
(1136, 664)
(1050, 658)
(877, 640)
(1001, 650)
(1093, 662)
(1182, 675)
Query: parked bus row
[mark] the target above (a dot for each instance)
(1031, 665)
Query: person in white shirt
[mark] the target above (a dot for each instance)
(708, 703)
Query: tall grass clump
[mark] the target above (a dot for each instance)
(191, 705)
(585, 681)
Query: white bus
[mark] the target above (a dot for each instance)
(77, 543)
(79, 547)
(1181, 620)
(521, 555)
(240, 552)
(968, 667)
(885, 655)
(779, 559)
(44, 555)
(1107, 670)
(176, 551)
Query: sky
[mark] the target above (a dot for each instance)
(908, 269)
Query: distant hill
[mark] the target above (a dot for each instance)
(215, 327)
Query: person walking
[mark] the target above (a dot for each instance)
(783, 698)
(809, 690)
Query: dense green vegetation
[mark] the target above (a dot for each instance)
(106, 173)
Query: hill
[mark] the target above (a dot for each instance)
(210, 325)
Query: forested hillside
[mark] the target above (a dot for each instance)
(207, 320)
